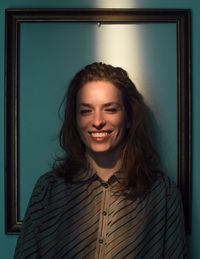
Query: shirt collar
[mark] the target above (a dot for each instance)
(91, 175)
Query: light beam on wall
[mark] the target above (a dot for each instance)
(119, 45)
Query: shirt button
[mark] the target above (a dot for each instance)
(100, 241)
(104, 213)
(105, 185)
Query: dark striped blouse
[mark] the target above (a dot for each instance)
(90, 220)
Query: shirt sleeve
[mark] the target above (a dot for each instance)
(175, 240)
(28, 240)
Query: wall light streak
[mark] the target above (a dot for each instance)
(116, 45)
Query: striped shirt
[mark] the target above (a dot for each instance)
(88, 219)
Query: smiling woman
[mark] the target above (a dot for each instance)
(107, 197)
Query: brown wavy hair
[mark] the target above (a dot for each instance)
(139, 159)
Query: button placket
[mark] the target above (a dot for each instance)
(103, 221)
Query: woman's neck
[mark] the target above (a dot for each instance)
(104, 164)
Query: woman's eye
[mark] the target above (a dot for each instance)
(112, 110)
(84, 112)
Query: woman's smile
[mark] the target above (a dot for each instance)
(100, 136)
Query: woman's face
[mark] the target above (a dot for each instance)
(101, 117)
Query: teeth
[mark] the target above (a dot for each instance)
(99, 135)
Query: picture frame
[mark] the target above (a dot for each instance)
(14, 17)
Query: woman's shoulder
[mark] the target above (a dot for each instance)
(48, 189)
(164, 194)
(47, 179)
(48, 184)
(165, 184)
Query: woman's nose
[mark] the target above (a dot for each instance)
(98, 120)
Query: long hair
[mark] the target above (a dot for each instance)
(140, 162)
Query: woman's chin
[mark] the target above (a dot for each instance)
(108, 151)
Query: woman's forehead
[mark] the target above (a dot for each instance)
(99, 90)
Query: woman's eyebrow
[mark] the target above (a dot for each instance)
(85, 105)
(112, 103)
(104, 105)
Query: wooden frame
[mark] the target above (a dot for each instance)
(16, 16)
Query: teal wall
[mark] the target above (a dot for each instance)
(50, 53)
(7, 242)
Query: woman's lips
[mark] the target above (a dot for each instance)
(100, 136)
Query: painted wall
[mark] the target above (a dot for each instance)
(7, 242)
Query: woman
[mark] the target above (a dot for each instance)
(107, 197)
